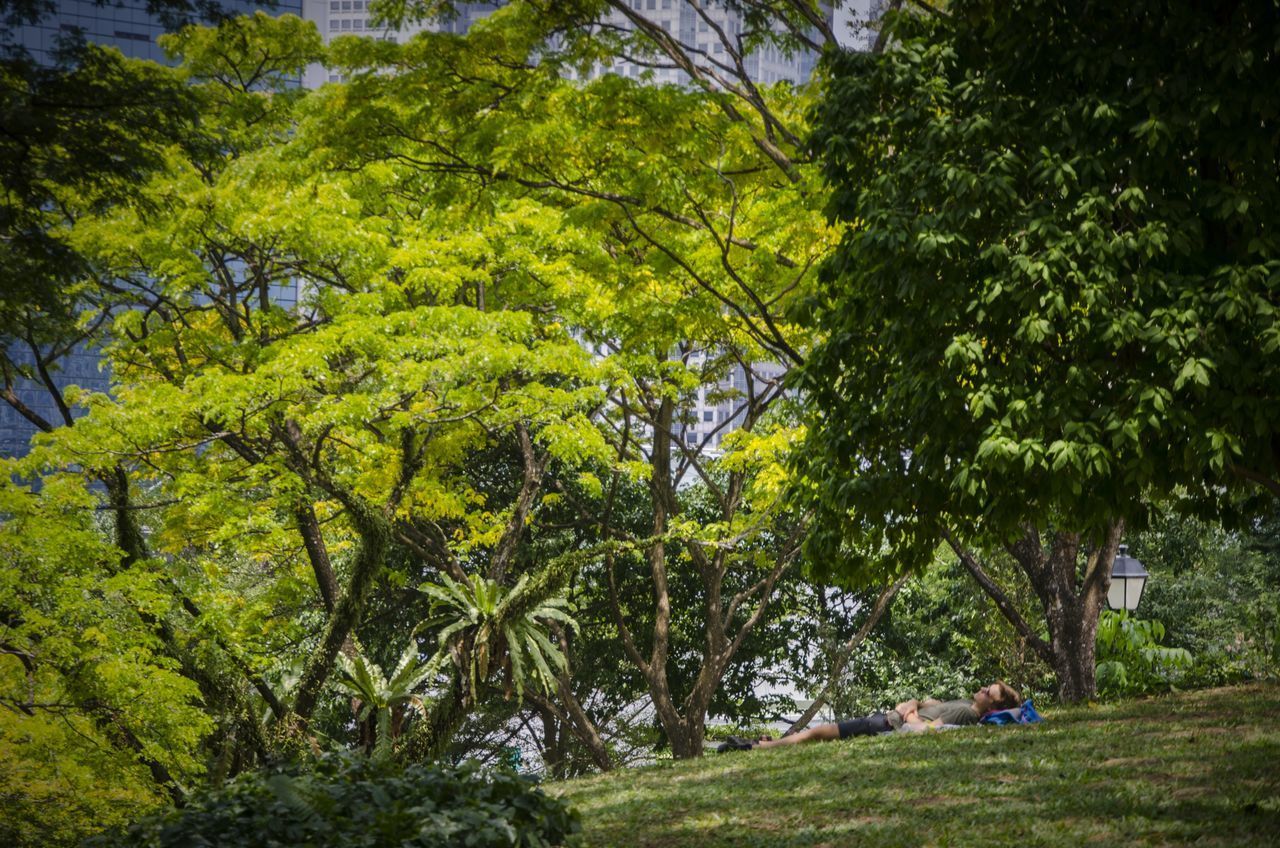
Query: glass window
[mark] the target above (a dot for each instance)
(346, 25)
(666, 4)
(333, 24)
(708, 415)
(358, 24)
(346, 5)
(652, 4)
(334, 5)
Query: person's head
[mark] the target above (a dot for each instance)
(996, 696)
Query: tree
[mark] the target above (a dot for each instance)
(694, 240)
(98, 717)
(510, 287)
(1056, 293)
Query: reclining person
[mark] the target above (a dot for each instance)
(909, 715)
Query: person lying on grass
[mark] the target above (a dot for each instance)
(909, 715)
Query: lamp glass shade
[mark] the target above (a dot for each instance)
(1128, 579)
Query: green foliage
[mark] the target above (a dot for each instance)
(1218, 594)
(77, 138)
(385, 699)
(1131, 659)
(481, 622)
(63, 777)
(357, 802)
(943, 638)
(94, 708)
(1058, 285)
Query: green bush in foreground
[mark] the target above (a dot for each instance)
(347, 802)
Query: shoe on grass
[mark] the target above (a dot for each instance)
(734, 743)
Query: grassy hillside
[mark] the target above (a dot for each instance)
(1200, 767)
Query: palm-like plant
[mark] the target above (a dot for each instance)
(386, 697)
(481, 620)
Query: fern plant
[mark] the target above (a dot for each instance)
(384, 696)
(480, 620)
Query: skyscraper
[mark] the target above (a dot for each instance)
(353, 17)
(697, 29)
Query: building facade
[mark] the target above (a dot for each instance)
(699, 31)
(354, 17)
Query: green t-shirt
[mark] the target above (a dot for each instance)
(950, 712)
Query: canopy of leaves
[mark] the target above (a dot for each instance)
(1058, 286)
(88, 697)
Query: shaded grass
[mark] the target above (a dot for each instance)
(1199, 767)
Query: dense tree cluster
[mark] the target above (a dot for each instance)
(1057, 303)
(395, 456)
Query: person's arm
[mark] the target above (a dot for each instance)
(907, 707)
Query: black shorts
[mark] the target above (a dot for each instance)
(869, 726)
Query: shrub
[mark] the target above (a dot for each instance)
(346, 802)
(1131, 659)
(1219, 594)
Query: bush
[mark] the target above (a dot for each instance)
(1131, 660)
(1218, 592)
(346, 802)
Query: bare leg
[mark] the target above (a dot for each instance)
(821, 733)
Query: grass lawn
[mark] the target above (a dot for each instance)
(1198, 767)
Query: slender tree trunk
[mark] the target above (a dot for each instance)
(430, 736)
(219, 689)
(656, 671)
(583, 727)
(375, 536)
(846, 652)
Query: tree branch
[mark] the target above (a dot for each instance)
(846, 652)
(970, 562)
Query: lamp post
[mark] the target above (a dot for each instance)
(1128, 578)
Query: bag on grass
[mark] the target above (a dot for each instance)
(1025, 714)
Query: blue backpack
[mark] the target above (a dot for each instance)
(1025, 714)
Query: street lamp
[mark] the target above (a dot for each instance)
(1128, 578)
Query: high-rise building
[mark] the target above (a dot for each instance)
(704, 31)
(123, 24)
(699, 31)
(353, 17)
(129, 27)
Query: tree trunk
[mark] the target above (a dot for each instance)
(375, 535)
(1071, 601)
(582, 726)
(686, 736)
(846, 652)
(1073, 638)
